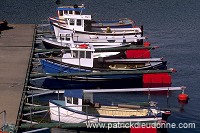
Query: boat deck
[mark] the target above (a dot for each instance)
(15, 50)
(118, 111)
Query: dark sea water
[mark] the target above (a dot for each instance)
(174, 25)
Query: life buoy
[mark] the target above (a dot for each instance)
(85, 46)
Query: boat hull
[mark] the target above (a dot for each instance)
(67, 115)
(53, 66)
(87, 83)
(73, 82)
(50, 43)
(121, 80)
(86, 36)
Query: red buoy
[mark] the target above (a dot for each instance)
(146, 44)
(182, 97)
(83, 46)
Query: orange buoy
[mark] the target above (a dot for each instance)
(146, 44)
(183, 97)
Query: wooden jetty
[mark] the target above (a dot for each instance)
(15, 50)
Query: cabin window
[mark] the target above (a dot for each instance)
(75, 54)
(88, 54)
(65, 12)
(75, 101)
(71, 21)
(77, 12)
(67, 37)
(62, 37)
(61, 12)
(66, 21)
(78, 21)
(87, 101)
(70, 11)
(82, 54)
(69, 100)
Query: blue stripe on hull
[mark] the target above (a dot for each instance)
(50, 67)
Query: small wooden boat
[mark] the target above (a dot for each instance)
(79, 107)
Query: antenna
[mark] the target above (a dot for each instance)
(82, 8)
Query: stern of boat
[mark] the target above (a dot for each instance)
(165, 114)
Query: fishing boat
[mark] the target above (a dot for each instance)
(81, 26)
(103, 80)
(105, 35)
(81, 58)
(95, 24)
(79, 107)
(65, 39)
(113, 72)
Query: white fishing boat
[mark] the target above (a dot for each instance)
(65, 39)
(95, 24)
(82, 35)
(79, 107)
(81, 27)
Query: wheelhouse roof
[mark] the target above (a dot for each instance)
(71, 8)
(77, 93)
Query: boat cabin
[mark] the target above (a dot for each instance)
(72, 18)
(65, 37)
(76, 98)
(70, 10)
(80, 55)
(72, 15)
(73, 98)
